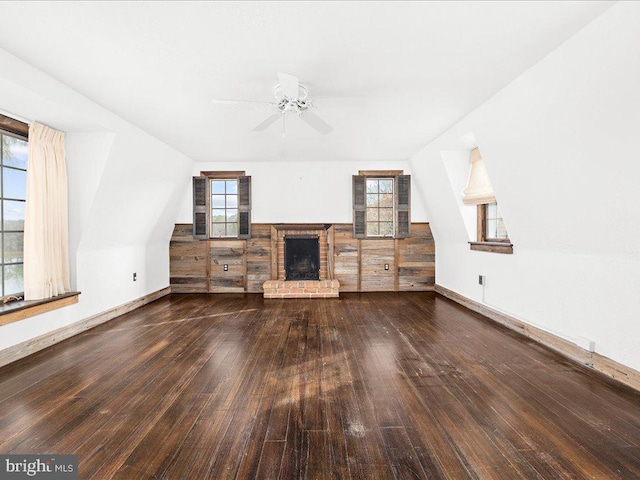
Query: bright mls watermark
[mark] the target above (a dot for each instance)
(49, 467)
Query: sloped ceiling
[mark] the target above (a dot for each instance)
(410, 69)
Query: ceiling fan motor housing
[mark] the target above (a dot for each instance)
(278, 93)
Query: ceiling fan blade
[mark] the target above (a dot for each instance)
(266, 122)
(316, 122)
(289, 85)
(229, 101)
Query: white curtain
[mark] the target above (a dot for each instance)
(479, 189)
(46, 237)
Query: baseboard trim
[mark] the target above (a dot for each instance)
(598, 362)
(36, 344)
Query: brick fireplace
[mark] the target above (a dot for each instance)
(280, 286)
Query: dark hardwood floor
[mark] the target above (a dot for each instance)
(368, 386)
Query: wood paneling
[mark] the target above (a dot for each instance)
(345, 257)
(188, 261)
(374, 254)
(356, 263)
(370, 386)
(417, 260)
(258, 257)
(232, 254)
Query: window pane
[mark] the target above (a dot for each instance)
(386, 185)
(372, 200)
(386, 214)
(232, 201)
(14, 183)
(372, 186)
(13, 215)
(217, 216)
(217, 201)
(372, 229)
(232, 229)
(232, 187)
(492, 210)
(217, 230)
(13, 247)
(217, 186)
(13, 279)
(372, 214)
(491, 228)
(232, 215)
(14, 152)
(386, 200)
(501, 229)
(386, 229)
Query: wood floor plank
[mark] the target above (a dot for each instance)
(380, 385)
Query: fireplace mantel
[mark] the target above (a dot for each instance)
(301, 226)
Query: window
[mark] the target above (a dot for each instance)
(494, 229)
(224, 208)
(492, 232)
(13, 189)
(379, 216)
(222, 205)
(381, 204)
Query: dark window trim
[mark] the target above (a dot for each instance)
(237, 222)
(19, 130)
(393, 207)
(14, 127)
(222, 175)
(401, 211)
(380, 173)
(202, 207)
(22, 309)
(493, 247)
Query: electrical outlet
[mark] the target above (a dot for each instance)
(386, 266)
(135, 276)
(225, 267)
(480, 279)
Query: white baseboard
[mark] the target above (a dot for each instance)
(611, 368)
(36, 344)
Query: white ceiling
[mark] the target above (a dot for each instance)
(416, 67)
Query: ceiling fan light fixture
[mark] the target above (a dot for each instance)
(279, 95)
(290, 96)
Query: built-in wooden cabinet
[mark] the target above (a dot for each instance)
(358, 264)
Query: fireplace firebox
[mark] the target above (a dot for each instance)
(302, 257)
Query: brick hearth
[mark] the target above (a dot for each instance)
(301, 289)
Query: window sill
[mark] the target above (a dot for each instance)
(493, 247)
(16, 311)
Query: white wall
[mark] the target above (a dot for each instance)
(561, 145)
(125, 189)
(302, 191)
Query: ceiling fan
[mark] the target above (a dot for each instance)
(290, 96)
